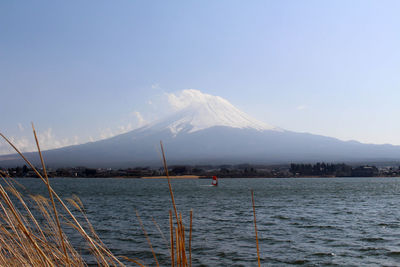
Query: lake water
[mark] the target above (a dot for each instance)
(301, 221)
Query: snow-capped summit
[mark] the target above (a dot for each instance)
(195, 111)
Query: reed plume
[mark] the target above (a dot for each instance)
(25, 241)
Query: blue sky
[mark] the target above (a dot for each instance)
(85, 70)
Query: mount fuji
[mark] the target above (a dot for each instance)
(206, 129)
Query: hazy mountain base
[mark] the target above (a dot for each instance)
(215, 145)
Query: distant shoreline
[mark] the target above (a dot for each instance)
(172, 177)
(209, 177)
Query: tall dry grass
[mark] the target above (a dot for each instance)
(31, 232)
(181, 255)
(27, 240)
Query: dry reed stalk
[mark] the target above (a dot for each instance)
(30, 215)
(161, 232)
(21, 246)
(36, 255)
(56, 254)
(10, 243)
(44, 259)
(16, 239)
(16, 193)
(190, 238)
(171, 229)
(147, 237)
(181, 258)
(51, 198)
(255, 227)
(178, 258)
(136, 261)
(98, 251)
(74, 202)
(179, 249)
(14, 181)
(42, 206)
(169, 181)
(29, 252)
(182, 237)
(8, 220)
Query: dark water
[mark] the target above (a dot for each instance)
(310, 222)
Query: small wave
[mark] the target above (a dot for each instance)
(125, 239)
(389, 225)
(304, 219)
(318, 226)
(274, 241)
(280, 217)
(395, 254)
(324, 254)
(298, 262)
(373, 239)
(366, 249)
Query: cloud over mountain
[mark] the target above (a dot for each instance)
(196, 111)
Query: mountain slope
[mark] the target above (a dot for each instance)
(209, 130)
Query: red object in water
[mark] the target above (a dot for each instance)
(215, 181)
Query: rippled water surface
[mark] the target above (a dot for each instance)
(310, 222)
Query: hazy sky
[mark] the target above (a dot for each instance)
(85, 70)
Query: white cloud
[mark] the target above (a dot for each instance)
(5, 149)
(22, 143)
(106, 133)
(190, 97)
(125, 128)
(20, 127)
(140, 120)
(302, 107)
(155, 86)
(184, 98)
(47, 140)
(137, 122)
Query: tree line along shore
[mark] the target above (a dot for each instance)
(222, 171)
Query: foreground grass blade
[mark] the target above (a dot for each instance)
(255, 228)
(51, 198)
(104, 256)
(190, 238)
(147, 237)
